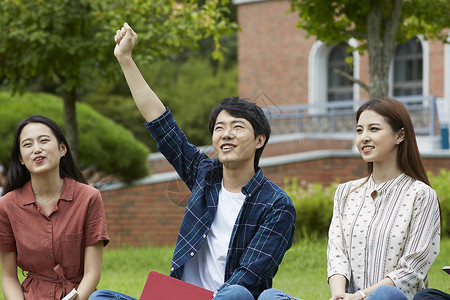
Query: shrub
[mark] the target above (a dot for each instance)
(440, 183)
(104, 146)
(190, 89)
(314, 206)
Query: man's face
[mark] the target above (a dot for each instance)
(234, 141)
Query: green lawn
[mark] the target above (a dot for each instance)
(302, 273)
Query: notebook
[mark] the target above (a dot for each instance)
(159, 286)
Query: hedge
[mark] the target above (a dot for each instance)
(104, 146)
(314, 204)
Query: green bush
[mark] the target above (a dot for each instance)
(441, 184)
(314, 205)
(190, 89)
(104, 146)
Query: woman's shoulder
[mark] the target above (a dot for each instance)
(416, 184)
(8, 197)
(15, 196)
(419, 187)
(80, 189)
(10, 202)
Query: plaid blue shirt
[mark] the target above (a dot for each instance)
(264, 229)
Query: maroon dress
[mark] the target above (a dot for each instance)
(50, 249)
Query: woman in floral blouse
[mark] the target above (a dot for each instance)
(385, 230)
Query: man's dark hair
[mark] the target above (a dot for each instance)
(243, 108)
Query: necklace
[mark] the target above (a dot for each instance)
(48, 199)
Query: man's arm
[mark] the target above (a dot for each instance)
(146, 100)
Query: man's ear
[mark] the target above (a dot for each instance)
(260, 140)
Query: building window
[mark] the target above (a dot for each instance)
(339, 87)
(408, 68)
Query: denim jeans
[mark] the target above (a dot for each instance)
(231, 292)
(106, 294)
(387, 292)
(274, 294)
(234, 292)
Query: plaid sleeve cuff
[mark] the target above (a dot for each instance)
(161, 125)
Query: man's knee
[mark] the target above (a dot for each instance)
(108, 295)
(234, 291)
(388, 292)
(269, 294)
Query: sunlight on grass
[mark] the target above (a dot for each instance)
(302, 273)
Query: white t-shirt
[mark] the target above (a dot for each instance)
(207, 268)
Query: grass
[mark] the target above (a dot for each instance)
(302, 273)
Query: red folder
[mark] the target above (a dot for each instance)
(162, 287)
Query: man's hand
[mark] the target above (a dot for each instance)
(125, 39)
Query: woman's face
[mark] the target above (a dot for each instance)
(375, 140)
(39, 149)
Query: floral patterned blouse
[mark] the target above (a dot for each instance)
(387, 230)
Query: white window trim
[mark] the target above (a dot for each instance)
(425, 69)
(318, 74)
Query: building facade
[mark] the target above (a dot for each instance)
(279, 65)
(313, 127)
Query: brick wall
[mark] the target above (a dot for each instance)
(150, 214)
(142, 215)
(273, 56)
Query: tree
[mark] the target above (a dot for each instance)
(199, 84)
(70, 42)
(108, 151)
(378, 25)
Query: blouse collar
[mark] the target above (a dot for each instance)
(26, 196)
(382, 187)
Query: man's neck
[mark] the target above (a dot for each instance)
(235, 179)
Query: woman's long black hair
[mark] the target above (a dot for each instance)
(18, 174)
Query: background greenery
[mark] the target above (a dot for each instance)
(190, 89)
(106, 146)
(314, 205)
(113, 140)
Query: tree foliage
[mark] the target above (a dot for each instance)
(70, 42)
(107, 149)
(378, 25)
(197, 88)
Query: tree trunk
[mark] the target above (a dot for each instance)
(71, 122)
(381, 44)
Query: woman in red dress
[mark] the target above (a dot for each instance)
(52, 224)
